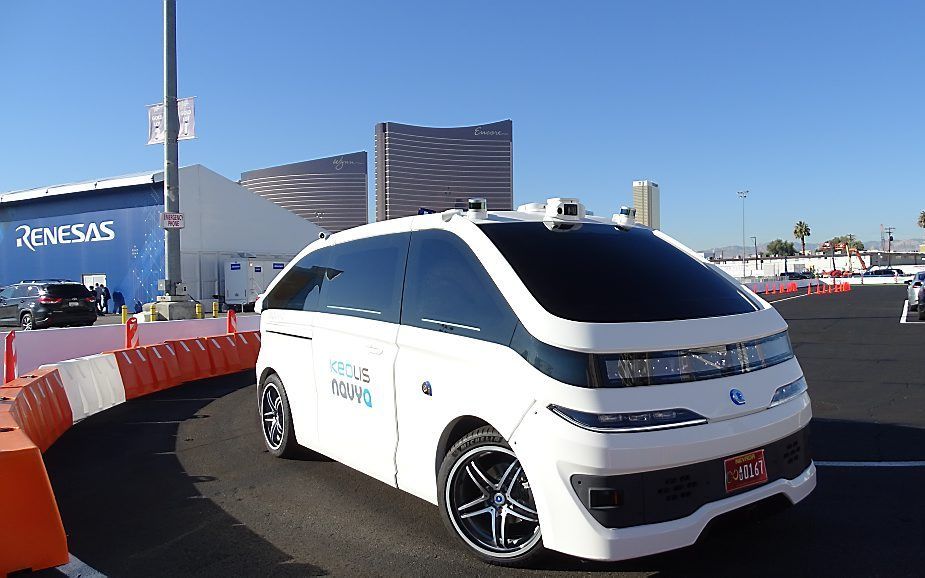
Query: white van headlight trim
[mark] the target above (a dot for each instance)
(789, 391)
(640, 421)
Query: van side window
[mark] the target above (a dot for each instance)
(364, 278)
(448, 290)
(299, 289)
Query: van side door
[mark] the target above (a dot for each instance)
(286, 330)
(355, 333)
(454, 357)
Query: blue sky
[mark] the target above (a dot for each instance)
(815, 107)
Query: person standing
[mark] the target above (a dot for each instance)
(106, 297)
(98, 292)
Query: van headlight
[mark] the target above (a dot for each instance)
(639, 421)
(788, 392)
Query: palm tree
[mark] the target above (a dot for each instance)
(922, 219)
(801, 231)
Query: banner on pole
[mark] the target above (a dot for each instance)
(157, 121)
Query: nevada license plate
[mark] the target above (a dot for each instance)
(745, 470)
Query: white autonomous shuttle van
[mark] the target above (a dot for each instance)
(533, 374)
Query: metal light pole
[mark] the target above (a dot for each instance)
(889, 245)
(171, 150)
(742, 195)
(755, 241)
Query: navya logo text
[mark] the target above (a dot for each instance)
(352, 389)
(64, 234)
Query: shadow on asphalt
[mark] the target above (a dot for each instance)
(137, 500)
(130, 509)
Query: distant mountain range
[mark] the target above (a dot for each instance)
(732, 251)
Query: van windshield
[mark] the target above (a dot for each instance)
(599, 273)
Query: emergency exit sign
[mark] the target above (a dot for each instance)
(172, 221)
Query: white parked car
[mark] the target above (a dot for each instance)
(913, 288)
(531, 374)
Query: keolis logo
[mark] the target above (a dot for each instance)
(31, 238)
(353, 389)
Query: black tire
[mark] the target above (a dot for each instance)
(491, 460)
(276, 418)
(913, 306)
(921, 314)
(26, 321)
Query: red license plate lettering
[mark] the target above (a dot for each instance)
(745, 470)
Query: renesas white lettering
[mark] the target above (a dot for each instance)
(64, 234)
(351, 389)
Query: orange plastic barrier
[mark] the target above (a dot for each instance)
(192, 357)
(137, 374)
(223, 351)
(9, 357)
(32, 534)
(157, 359)
(38, 404)
(248, 348)
(217, 359)
(33, 412)
(169, 355)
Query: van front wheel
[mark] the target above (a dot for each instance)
(486, 500)
(276, 419)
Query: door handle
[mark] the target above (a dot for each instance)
(375, 350)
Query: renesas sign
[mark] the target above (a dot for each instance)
(33, 237)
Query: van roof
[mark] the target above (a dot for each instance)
(494, 217)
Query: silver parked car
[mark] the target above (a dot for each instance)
(914, 290)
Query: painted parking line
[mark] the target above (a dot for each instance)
(76, 568)
(907, 314)
(788, 298)
(912, 464)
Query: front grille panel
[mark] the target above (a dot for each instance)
(673, 493)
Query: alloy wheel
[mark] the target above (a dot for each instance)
(490, 502)
(27, 321)
(271, 409)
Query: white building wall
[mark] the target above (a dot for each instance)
(223, 221)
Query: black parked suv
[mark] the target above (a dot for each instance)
(36, 304)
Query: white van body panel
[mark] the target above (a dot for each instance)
(467, 377)
(421, 381)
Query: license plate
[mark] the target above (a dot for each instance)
(745, 470)
(74, 303)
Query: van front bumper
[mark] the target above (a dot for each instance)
(671, 483)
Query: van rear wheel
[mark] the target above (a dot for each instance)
(276, 418)
(486, 501)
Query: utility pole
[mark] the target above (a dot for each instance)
(889, 245)
(848, 247)
(171, 150)
(742, 195)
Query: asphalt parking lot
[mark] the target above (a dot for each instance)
(178, 483)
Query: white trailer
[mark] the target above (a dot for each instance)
(246, 279)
